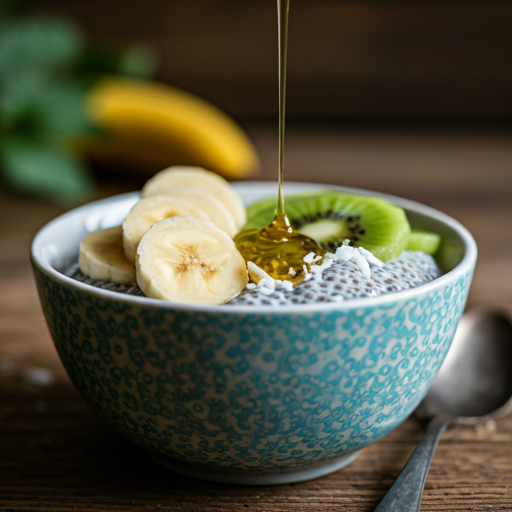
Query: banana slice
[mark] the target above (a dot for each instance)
(197, 177)
(149, 211)
(215, 210)
(102, 257)
(183, 259)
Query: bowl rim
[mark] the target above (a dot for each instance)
(465, 266)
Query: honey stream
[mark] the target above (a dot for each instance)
(278, 249)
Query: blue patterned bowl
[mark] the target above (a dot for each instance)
(244, 394)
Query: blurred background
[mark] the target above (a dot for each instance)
(411, 98)
(347, 59)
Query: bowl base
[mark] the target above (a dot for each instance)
(286, 477)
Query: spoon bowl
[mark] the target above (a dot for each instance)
(475, 379)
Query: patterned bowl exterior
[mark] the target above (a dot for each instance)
(246, 391)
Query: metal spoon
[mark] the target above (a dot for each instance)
(473, 385)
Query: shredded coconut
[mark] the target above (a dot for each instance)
(359, 260)
(287, 285)
(328, 261)
(267, 284)
(344, 253)
(307, 275)
(257, 270)
(311, 258)
(361, 257)
(370, 258)
(344, 280)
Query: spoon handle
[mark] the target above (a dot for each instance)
(405, 494)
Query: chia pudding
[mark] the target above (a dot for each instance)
(339, 281)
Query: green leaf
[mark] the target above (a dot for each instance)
(51, 115)
(62, 109)
(16, 96)
(37, 43)
(33, 52)
(45, 69)
(45, 171)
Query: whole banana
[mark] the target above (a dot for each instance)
(149, 126)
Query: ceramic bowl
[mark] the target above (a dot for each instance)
(244, 394)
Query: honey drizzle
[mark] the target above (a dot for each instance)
(283, 10)
(278, 249)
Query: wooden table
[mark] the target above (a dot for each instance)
(57, 455)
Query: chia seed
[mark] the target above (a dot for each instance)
(340, 280)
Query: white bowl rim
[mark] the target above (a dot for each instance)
(466, 264)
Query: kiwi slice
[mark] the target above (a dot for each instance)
(332, 217)
(425, 241)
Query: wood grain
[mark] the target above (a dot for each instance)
(57, 455)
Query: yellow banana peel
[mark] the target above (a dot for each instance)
(151, 126)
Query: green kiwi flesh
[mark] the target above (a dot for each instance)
(425, 241)
(332, 217)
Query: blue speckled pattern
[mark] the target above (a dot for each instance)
(246, 391)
